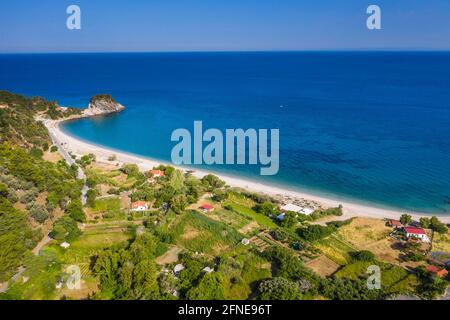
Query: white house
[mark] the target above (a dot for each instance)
(208, 269)
(139, 206)
(65, 245)
(297, 209)
(178, 268)
(416, 233)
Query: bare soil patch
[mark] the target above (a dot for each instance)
(323, 266)
(53, 157)
(170, 256)
(249, 227)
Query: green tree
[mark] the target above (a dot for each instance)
(91, 195)
(145, 284)
(210, 287)
(363, 255)
(36, 152)
(267, 208)
(3, 190)
(315, 232)
(75, 211)
(289, 220)
(16, 237)
(405, 219)
(212, 182)
(287, 265)
(437, 225)
(39, 213)
(425, 222)
(279, 289)
(178, 203)
(176, 181)
(65, 229)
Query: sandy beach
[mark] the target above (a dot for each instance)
(79, 147)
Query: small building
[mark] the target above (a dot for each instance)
(139, 206)
(157, 173)
(441, 273)
(207, 208)
(281, 216)
(178, 268)
(297, 209)
(208, 269)
(65, 245)
(245, 242)
(59, 284)
(416, 233)
(396, 224)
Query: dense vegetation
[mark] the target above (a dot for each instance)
(32, 190)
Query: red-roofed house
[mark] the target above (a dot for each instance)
(416, 233)
(394, 223)
(207, 207)
(157, 173)
(139, 206)
(441, 273)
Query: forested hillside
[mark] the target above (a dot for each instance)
(33, 192)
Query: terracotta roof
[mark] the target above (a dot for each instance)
(138, 204)
(414, 230)
(437, 271)
(432, 269)
(395, 222)
(206, 206)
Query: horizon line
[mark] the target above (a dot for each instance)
(235, 51)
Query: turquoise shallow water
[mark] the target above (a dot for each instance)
(370, 127)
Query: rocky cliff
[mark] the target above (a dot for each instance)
(102, 104)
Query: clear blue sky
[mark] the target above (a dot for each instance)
(220, 25)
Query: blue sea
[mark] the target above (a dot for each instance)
(370, 127)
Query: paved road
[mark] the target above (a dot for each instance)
(69, 160)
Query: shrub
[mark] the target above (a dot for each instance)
(315, 232)
(363, 255)
(75, 211)
(65, 229)
(267, 208)
(39, 213)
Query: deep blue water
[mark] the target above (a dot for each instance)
(368, 126)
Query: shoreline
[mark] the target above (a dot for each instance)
(350, 209)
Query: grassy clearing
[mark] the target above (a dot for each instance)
(106, 205)
(242, 200)
(113, 178)
(373, 235)
(362, 232)
(250, 213)
(197, 232)
(230, 218)
(335, 249)
(394, 279)
(441, 242)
